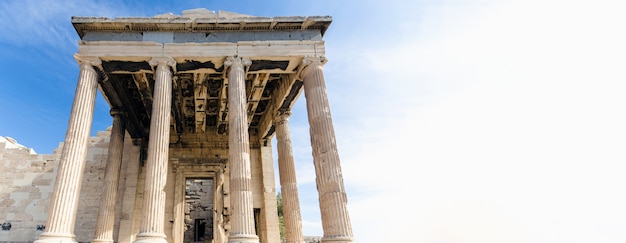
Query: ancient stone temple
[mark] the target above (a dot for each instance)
(195, 101)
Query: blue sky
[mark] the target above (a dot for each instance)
(456, 121)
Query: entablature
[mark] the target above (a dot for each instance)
(203, 22)
(142, 51)
(199, 42)
(200, 37)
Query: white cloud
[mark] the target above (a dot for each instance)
(46, 25)
(506, 127)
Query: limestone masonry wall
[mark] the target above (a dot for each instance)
(26, 184)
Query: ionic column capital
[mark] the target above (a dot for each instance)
(158, 61)
(312, 61)
(281, 117)
(237, 62)
(90, 61)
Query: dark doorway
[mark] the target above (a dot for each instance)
(198, 210)
(257, 222)
(199, 230)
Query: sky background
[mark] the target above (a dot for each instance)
(456, 121)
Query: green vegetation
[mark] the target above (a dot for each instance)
(281, 220)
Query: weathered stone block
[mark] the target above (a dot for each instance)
(41, 182)
(7, 202)
(19, 196)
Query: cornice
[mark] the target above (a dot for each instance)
(214, 24)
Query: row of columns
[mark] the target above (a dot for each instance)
(333, 203)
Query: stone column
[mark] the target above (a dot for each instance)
(130, 170)
(153, 211)
(269, 225)
(64, 203)
(332, 194)
(106, 216)
(242, 217)
(288, 184)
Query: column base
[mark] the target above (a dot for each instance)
(51, 237)
(337, 239)
(243, 239)
(101, 241)
(150, 238)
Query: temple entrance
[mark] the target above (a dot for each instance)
(198, 210)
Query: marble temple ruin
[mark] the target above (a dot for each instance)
(195, 101)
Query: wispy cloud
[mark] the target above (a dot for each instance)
(500, 127)
(46, 24)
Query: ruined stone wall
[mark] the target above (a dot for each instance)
(198, 207)
(26, 184)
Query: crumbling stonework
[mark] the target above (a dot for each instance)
(27, 183)
(199, 210)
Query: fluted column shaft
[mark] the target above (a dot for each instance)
(64, 203)
(106, 216)
(332, 194)
(242, 218)
(152, 225)
(288, 183)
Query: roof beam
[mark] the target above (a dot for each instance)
(258, 85)
(145, 91)
(119, 84)
(222, 115)
(200, 97)
(177, 101)
(278, 97)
